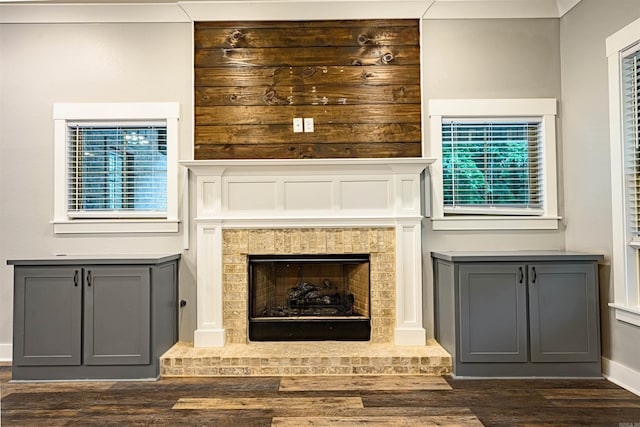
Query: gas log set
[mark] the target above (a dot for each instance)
(307, 299)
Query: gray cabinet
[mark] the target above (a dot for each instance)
(93, 318)
(563, 312)
(493, 313)
(47, 316)
(117, 309)
(518, 314)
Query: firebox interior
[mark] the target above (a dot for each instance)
(309, 298)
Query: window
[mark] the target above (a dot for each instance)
(623, 52)
(116, 167)
(630, 134)
(117, 170)
(497, 164)
(491, 164)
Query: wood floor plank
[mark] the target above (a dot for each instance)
(524, 399)
(582, 393)
(60, 387)
(497, 415)
(529, 383)
(447, 421)
(594, 403)
(195, 384)
(269, 403)
(369, 383)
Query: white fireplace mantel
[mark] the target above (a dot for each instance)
(305, 193)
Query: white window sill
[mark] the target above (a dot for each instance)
(627, 314)
(97, 226)
(481, 222)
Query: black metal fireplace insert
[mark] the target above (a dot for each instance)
(309, 297)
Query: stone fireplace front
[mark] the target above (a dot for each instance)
(377, 243)
(247, 208)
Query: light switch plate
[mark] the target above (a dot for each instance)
(308, 124)
(297, 124)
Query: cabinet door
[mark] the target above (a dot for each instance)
(564, 318)
(493, 313)
(117, 315)
(47, 316)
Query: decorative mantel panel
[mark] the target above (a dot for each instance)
(308, 194)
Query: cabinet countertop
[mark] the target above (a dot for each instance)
(119, 259)
(515, 256)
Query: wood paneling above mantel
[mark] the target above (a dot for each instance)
(358, 80)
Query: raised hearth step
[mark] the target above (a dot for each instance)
(304, 358)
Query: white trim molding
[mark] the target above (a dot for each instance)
(273, 10)
(210, 330)
(6, 352)
(624, 259)
(544, 109)
(490, 9)
(79, 13)
(409, 329)
(621, 375)
(626, 313)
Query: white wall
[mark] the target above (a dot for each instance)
(501, 58)
(46, 63)
(587, 181)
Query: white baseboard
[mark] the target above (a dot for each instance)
(6, 352)
(621, 375)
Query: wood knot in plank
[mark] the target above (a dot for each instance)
(271, 98)
(235, 37)
(308, 72)
(387, 58)
(363, 39)
(366, 75)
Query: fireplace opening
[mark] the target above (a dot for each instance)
(309, 297)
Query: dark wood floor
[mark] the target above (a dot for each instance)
(319, 401)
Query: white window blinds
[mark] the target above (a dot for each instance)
(492, 166)
(117, 170)
(631, 133)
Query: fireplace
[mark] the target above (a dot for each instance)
(319, 207)
(309, 297)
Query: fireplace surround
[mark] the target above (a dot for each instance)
(304, 207)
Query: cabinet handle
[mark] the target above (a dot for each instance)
(75, 278)
(533, 280)
(89, 278)
(521, 275)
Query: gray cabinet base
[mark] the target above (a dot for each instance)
(548, 370)
(85, 372)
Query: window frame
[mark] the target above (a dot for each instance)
(625, 261)
(64, 113)
(493, 219)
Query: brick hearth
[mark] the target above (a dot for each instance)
(305, 358)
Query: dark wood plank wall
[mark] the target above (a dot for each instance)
(359, 80)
